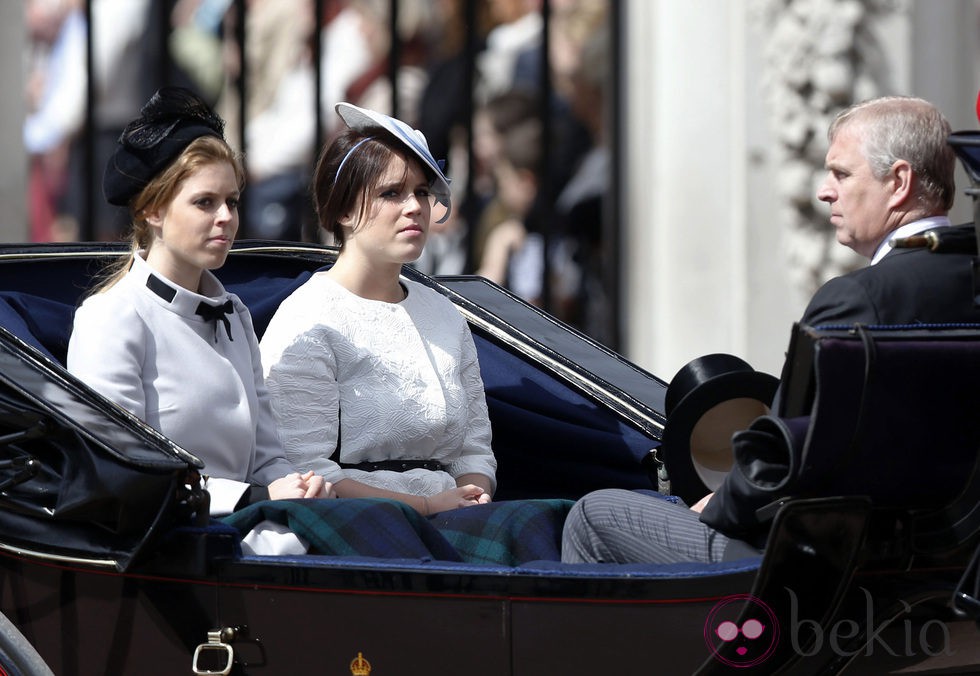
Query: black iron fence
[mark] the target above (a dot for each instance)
(440, 65)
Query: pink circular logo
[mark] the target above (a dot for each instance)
(741, 631)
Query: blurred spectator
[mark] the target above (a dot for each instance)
(280, 126)
(444, 252)
(419, 23)
(512, 251)
(579, 209)
(445, 112)
(344, 57)
(62, 180)
(444, 109)
(515, 245)
(124, 70)
(492, 123)
(517, 27)
(196, 44)
(55, 87)
(372, 88)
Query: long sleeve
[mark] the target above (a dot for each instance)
(107, 350)
(302, 382)
(184, 376)
(270, 462)
(476, 456)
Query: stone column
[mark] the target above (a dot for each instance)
(725, 110)
(685, 192)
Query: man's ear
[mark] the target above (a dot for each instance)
(900, 177)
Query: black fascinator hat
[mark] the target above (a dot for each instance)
(170, 120)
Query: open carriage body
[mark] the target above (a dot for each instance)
(104, 568)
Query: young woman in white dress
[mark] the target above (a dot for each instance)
(374, 379)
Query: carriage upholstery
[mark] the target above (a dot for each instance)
(885, 434)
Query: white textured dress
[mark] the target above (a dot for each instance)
(181, 374)
(393, 381)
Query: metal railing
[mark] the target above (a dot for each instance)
(160, 22)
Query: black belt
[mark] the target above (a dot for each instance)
(394, 465)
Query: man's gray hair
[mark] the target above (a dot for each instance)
(906, 128)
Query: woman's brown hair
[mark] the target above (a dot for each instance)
(348, 169)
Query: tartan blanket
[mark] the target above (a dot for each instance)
(505, 533)
(509, 532)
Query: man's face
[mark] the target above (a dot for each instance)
(860, 208)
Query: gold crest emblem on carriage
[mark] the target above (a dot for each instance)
(360, 666)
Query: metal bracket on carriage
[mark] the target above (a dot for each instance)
(194, 499)
(218, 657)
(24, 467)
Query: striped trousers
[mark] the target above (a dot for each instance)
(621, 526)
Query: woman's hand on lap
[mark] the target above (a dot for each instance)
(317, 486)
(461, 496)
(296, 485)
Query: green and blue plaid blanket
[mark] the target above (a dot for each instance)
(506, 533)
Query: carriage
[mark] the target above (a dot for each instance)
(109, 564)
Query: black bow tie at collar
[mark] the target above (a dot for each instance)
(215, 313)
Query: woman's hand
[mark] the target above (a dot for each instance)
(296, 485)
(317, 486)
(461, 496)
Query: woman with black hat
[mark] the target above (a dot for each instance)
(160, 335)
(374, 378)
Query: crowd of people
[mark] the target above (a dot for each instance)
(194, 44)
(365, 384)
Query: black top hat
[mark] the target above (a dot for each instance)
(709, 399)
(170, 120)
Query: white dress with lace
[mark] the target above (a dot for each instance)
(394, 380)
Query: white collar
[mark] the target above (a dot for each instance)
(177, 297)
(907, 230)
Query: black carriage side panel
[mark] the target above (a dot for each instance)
(81, 477)
(867, 489)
